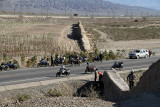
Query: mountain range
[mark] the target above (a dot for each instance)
(70, 7)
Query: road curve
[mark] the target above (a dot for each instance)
(46, 73)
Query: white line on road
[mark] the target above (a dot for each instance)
(27, 80)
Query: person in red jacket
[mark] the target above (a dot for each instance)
(150, 52)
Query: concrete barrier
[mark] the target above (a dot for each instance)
(114, 85)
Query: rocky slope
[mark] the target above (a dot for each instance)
(83, 7)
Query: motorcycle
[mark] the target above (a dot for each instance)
(118, 65)
(43, 63)
(4, 67)
(13, 66)
(90, 69)
(96, 58)
(76, 62)
(63, 72)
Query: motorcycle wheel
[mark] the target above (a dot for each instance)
(67, 73)
(14, 68)
(57, 74)
(38, 65)
(6, 68)
(47, 64)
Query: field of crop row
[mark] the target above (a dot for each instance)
(31, 36)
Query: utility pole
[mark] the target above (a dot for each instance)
(86, 14)
(41, 12)
(108, 14)
(14, 10)
(65, 12)
(141, 14)
(92, 13)
(113, 14)
(131, 15)
(47, 11)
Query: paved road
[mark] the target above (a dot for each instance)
(45, 73)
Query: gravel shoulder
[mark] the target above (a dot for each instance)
(40, 98)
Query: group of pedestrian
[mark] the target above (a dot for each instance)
(98, 74)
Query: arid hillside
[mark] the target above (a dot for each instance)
(49, 35)
(123, 33)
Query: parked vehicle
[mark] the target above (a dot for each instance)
(139, 53)
(96, 58)
(63, 72)
(43, 63)
(118, 65)
(12, 66)
(4, 67)
(90, 68)
(76, 62)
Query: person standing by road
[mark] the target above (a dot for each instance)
(150, 52)
(95, 72)
(100, 76)
(100, 56)
(52, 61)
(131, 77)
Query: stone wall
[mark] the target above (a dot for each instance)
(150, 80)
(84, 39)
(114, 85)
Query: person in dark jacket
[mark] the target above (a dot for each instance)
(131, 77)
(100, 57)
(52, 61)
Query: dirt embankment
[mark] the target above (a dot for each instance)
(72, 92)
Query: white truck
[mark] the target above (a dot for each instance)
(139, 53)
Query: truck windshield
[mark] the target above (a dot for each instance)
(137, 51)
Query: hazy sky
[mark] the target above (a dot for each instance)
(154, 4)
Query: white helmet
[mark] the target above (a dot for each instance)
(132, 70)
(63, 66)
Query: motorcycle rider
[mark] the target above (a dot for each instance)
(62, 69)
(42, 61)
(131, 77)
(116, 64)
(88, 66)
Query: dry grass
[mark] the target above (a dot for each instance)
(126, 29)
(31, 36)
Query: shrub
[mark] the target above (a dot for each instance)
(90, 92)
(23, 97)
(22, 59)
(96, 52)
(34, 61)
(29, 63)
(16, 62)
(111, 54)
(53, 93)
(5, 57)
